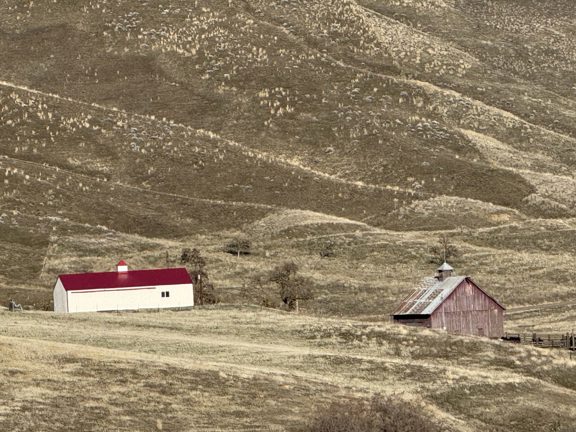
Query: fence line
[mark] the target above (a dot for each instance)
(544, 340)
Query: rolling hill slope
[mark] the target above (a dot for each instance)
(135, 128)
(182, 124)
(263, 370)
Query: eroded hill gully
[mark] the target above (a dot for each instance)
(428, 86)
(248, 151)
(344, 64)
(283, 160)
(567, 101)
(286, 159)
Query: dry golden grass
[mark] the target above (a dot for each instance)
(520, 261)
(376, 126)
(274, 224)
(230, 368)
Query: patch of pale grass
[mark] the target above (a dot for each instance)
(446, 206)
(283, 220)
(505, 156)
(561, 189)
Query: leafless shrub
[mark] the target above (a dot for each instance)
(292, 286)
(204, 291)
(443, 250)
(328, 250)
(257, 290)
(239, 246)
(382, 414)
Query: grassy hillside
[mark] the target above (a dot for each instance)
(134, 129)
(249, 369)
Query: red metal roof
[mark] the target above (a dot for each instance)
(122, 263)
(132, 278)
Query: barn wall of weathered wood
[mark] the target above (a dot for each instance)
(468, 310)
(416, 322)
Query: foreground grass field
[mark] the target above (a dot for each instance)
(248, 369)
(133, 129)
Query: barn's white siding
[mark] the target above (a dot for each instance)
(60, 297)
(133, 298)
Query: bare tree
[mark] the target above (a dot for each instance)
(204, 291)
(239, 246)
(192, 258)
(328, 249)
(443, 250)
(257, 290)
(292, 287)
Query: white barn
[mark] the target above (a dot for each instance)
(124, 290)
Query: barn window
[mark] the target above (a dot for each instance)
(167, 293)
(163, 293)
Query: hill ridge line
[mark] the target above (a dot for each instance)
(186, 197)
(512, 148)
(384, 17)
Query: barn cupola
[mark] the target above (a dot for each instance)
(444, 271)
(122, 267)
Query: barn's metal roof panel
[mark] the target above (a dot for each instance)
(445, 267)
(428, 296)
(127, 279)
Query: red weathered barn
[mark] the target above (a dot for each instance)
(453, 303)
